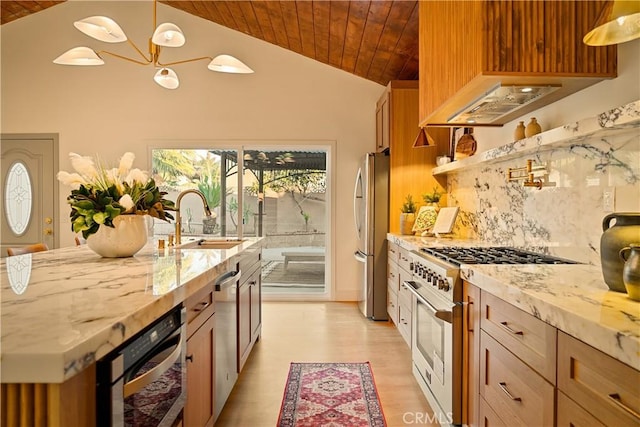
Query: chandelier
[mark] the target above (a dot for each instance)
(165, 35)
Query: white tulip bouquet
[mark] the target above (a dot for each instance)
(99, 194)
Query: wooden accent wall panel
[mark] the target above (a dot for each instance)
(527, 41)
(450, 34)
(72, 403)
(410, 168)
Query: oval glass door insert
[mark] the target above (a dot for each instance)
(18, 198)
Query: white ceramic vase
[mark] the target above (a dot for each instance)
(125, 240)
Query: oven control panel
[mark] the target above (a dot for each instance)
(436, 275)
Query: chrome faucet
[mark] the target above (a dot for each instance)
(207, 211)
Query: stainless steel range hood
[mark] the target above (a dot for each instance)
(495, 99)
(499, 102)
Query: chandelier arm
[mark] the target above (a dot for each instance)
(184, 61)
(123, 57)
(147, 60)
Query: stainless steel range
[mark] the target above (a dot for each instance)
(436, 340)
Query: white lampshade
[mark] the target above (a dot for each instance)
(167, 78)
(229, 64)
(79, 56)
(101, 28)
(168, 35)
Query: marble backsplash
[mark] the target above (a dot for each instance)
(565, 219)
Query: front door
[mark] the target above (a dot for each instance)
(28, 191)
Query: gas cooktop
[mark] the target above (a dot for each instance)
(491, 255)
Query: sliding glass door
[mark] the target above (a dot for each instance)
(284, 199)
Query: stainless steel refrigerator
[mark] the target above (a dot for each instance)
(371, 214)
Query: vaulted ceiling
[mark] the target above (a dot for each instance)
(376, 40)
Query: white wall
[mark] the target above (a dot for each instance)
(117, 107)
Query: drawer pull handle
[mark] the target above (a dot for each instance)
(510, 329)
(618, 401)
(202, 306)
(503, 386)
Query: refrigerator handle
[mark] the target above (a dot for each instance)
(360, 256)
(355, 200)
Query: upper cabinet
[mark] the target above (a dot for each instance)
(489, 62)
(410, 168)
(382, 121)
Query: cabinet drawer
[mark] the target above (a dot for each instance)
(392, 304)
(570, 414)
(404, 323)
(393, 252)
(513, 389)
(609, 388)
(404, 296)
(393, 276)
(200, 306)
(488, 417)
(529, 338)
(404, 260)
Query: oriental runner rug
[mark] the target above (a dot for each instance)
(331, 395)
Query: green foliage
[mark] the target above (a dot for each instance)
(432, 197)
(92, 207)
(409, 206)
(211, 189)
(232, 206)
(171, 165)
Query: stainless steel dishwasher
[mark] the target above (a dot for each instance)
(226, 336)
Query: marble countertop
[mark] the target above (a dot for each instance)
(63, 309)
(573, 298)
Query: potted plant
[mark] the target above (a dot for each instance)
(408, 215)
(432, 199)
(108, 205)
(428, 214)
(212, 191)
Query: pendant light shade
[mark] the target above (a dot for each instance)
(101, 28)
(167, 78)
(168, 35)
(229, 64)
(423, 140)
(79, 56)
(618, 22)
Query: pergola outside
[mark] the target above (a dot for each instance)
(261, 161)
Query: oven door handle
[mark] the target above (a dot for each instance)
(151, 375)
(445, 315)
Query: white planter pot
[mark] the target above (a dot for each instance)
(126, 239)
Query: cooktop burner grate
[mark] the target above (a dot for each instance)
(492, 255)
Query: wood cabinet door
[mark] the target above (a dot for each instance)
(515, 391)
(599, 383)
(255, 282)
(244, 323)
(471, 354)
(200, 407)
(382, 122)
(570, 414)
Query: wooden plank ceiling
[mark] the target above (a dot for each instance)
(376, 40)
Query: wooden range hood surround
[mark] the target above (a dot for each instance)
(469, 47)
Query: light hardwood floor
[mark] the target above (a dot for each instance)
(323, 332)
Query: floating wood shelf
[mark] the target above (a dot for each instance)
(624, 119)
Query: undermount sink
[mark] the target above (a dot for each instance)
(212, 244)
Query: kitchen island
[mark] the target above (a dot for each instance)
(64, 309)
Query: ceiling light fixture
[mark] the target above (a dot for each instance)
(165, 35)
(618, 22)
